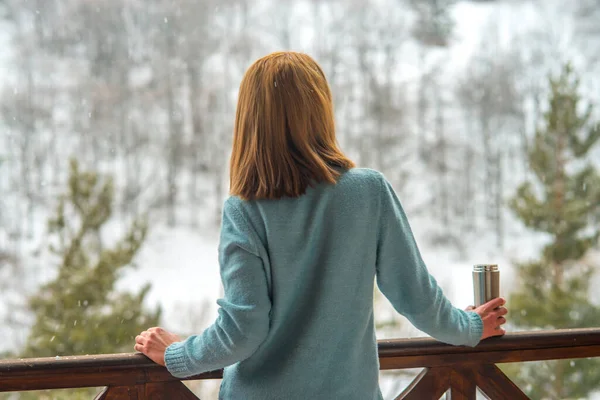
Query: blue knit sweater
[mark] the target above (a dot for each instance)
(296, 320)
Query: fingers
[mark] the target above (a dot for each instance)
(494, 303)
(492, 332)
(152, 339)
(492, 314)
(153, 333)
(148, 335)
(140, 342)
(499, 332)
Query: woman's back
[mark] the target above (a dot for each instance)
(319, 255)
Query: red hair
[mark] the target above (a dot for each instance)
(284, 135)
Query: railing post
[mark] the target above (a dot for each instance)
(153, 390)
(495, 384)
(121, 393)
(430, 383)
(168, 391)
(462, 384)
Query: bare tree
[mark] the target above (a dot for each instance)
(25, 109)
(488, 88)
(432, 29)
(587, 14)
(202, 41)
(375, 106)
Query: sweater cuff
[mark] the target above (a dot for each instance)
(475, 328)
(175, 360)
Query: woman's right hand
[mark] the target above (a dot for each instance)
(492, 314)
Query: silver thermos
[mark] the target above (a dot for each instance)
(486, 283)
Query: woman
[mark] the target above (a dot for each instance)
(303, 237)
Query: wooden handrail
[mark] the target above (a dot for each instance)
(446, 366)
(512, 347)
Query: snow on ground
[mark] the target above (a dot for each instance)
(182, 267)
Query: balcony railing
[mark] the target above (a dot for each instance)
(456, 370)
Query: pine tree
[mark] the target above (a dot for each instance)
(561, 200)
(80, 312)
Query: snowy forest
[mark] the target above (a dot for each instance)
(116, 120)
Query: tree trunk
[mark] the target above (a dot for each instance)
(422, 109)
(199, 142)
(442, 165)
(174, 135)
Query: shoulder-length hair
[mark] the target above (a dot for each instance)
(284, 135)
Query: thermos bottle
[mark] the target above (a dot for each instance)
(486, 283)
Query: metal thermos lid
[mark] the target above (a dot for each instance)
(485, 267)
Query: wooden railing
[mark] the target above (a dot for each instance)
(457, 369)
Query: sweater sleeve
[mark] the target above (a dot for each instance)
(404, 280)
(243, 317)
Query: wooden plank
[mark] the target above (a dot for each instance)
(89, 377)
(102, 394)
(168, 391)
(71, 362)
(431, 383)
(125, 375)
(122, 393)
(462, 385)
(132, 369)
(387, 348)
(510, 341)
(128, 375)
(491, 357)
(148, 391)
(161, 374)
(496, 385)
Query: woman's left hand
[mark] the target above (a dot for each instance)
(153, 343)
